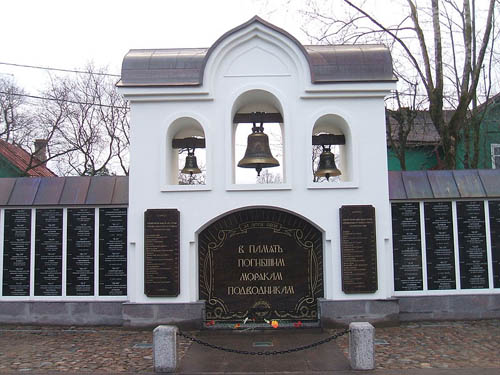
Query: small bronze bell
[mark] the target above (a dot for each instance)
(258, 154)
(326, 166)
(191, 166)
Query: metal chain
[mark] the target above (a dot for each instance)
(274, 352)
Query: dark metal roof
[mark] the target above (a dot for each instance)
(186, 66)
(457, 184)
(113, 190)
(64, 191)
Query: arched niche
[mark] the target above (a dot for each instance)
(335, 125)
(260, 263)
(181, 128)
(257, 100)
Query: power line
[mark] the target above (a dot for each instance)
(63, 100)
(59, 70)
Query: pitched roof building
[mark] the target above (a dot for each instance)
(16, 162)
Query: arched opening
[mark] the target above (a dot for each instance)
(258, 264)
(331, 133)
(263, 102)
(185, 136)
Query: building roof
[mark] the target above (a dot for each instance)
(423, 132)
(64, 191)
(185, 66)
(22, 160)
(444, 184)
(113, 190)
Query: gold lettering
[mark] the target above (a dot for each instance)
(264, 249)
(261, 262)
(260, 290)
(261, 276)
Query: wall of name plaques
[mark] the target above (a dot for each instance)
(407, 246)
(56, 252)
(453, 244)
(16, 253)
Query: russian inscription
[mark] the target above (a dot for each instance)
(17, 253)
(494, 208)
(358, 249)
(112, 251)
(407, 246)
(260, 264)
(472, 245)
(48, 252)
(161, 253)
(440, 249)
(80, 252)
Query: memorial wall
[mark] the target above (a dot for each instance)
(454, 244)
(53, 252)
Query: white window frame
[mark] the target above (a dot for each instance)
(493, 147)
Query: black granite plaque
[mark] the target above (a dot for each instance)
(472, 245)
(48, 252)
(16, 253)
(161, 253)
(260, 263)
(80, 252)
(440, 248)
(407, 246)
(112, 251)
(359, 249)
(494, 207)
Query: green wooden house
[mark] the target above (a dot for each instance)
(423, 143)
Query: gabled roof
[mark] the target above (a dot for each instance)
(22, 160)
(423, 132)
(186, 66)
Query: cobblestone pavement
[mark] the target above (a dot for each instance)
(466, 344)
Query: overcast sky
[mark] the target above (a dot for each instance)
(69, 33)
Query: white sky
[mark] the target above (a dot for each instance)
(69, 33)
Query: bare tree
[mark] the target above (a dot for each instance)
(92, 124)
(398, 131)
(443, 42)
(15, 120)
(268, 177)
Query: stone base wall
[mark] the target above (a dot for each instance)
(342, 313)
(184, 315)
(191, 315)
(457, 307)
(62, 313)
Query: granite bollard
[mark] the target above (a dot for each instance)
(165, 348)
(362, 346)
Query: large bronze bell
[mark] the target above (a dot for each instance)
(326, 166)
(191, 166)
(258, 154)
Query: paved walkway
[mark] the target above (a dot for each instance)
(458, 348)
